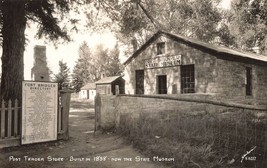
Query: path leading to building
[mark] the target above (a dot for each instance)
(83, 149)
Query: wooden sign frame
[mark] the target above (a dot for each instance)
(163, 61)
(39, 111)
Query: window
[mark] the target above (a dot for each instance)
(187, 79)
(160, 48)
(248, 81)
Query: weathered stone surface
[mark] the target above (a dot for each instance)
(113, 107)
(40, 71)
(221, 78)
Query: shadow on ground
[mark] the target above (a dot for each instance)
(85, 148)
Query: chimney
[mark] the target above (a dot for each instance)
(134, 44)
(256, 50)
(40, 71)
(102, 75)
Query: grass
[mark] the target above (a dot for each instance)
(199, 140)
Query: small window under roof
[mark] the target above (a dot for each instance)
(160, 48)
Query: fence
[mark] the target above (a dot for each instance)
(10, 120)
(10, 123)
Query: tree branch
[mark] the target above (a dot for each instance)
(33, 19)
(153, 21)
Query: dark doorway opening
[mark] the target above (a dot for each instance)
(248, 81)
(139, 78)
(162, 84)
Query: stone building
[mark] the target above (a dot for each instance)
(40, 71)
(176, 65)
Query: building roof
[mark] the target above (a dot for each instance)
(107, 80)
(89, 86)
(222, 52)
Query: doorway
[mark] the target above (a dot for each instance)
(139, 78)
(162, 84)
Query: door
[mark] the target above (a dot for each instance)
(139, 78)
(162, 84)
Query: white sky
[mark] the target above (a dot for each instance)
(225, 4)
(69, 52)
(66, 52)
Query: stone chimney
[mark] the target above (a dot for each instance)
(103, 74)
(40, 71)
(256, 50)
(134, 44)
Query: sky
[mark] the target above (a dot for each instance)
(69, 52)
(225, 4)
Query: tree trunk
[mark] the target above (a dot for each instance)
(13, 31)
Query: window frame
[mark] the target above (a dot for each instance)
(187, 78)
(140, 84)
(161, 48)
(161, 90)
(248, 81)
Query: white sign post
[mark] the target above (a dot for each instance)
(39, 111)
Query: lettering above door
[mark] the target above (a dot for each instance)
(163, 62)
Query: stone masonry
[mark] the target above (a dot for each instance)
(221, 78)
(40, 71)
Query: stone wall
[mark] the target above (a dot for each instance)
(223, 79)
(105, 111)
(109, 109)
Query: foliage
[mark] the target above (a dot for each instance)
(93, 62)
(80, 75)
(114, 67)
(48, 15)
(14, 16)
(63, 76)
(243, 26)
(77, 77)
(248, 23)
(139, 19)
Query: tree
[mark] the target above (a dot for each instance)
(242, 27)
(77, 79)
(99, 62)
(94, 62)
(104, 61)
(139, 19)
(114, 66)
(63, 76)
(14, 15)
(80, 75)
(247, 22)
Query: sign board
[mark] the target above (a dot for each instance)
(39, 111)
(163, 62)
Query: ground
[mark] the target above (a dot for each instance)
(85, 148)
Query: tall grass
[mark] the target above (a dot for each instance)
(199, 139)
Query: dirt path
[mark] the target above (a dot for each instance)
(83, 149)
